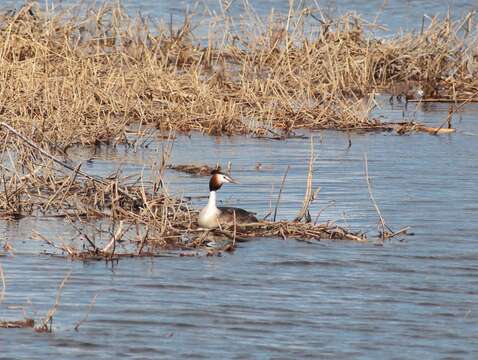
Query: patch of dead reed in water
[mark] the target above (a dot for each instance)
(114, 220)
(85, 76)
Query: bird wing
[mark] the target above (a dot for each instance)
(244, 216)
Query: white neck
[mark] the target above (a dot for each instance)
(211, 203)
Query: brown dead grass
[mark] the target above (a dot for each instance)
(141, 219)
(74, 78)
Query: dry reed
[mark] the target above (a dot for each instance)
(86, 76)
(141, 220)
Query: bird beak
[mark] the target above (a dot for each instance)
(230, 179)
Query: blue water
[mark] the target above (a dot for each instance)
(394, 15)
(273, 299)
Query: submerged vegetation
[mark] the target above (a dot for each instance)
(85, 76)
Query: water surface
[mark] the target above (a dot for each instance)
(411, 298)
(415, 297)
(394, 15)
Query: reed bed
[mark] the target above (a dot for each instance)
(88, 75)
(116, 216)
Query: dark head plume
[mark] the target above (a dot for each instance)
(215, 171)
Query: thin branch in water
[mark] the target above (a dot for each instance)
(332, 203)
(2, 294)
(280, 192)
(310, 195)
(49, 318)
(37, 236)
(235, 229)
(88, 311)
(117, 236)
(384, 232)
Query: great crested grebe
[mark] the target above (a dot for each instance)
(212, 216)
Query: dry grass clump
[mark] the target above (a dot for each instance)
(197, 170)
(137, 215)
(15, 324)
(84, 76)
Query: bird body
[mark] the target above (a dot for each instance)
(211, 216)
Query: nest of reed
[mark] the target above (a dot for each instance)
(84, 75)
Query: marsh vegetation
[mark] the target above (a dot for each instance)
(87, 75)
(99, 76)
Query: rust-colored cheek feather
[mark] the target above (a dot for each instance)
(215, 183)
